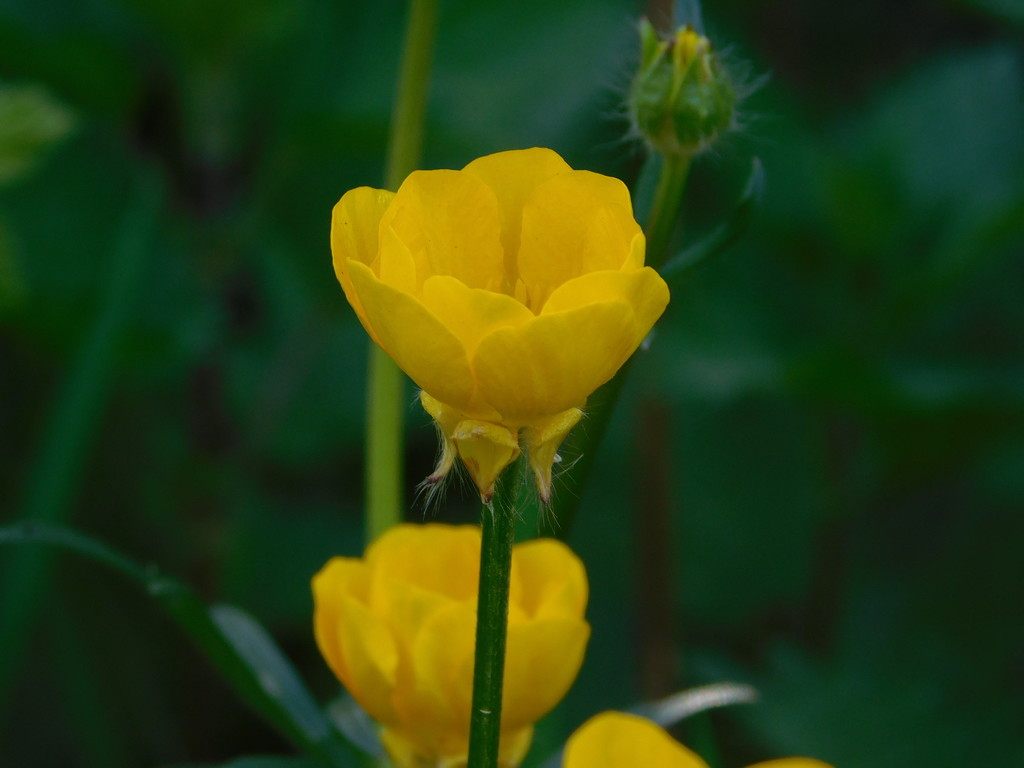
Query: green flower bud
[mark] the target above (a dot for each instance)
(682, 97)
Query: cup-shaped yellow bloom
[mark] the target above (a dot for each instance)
(618, 740)
(397, 627)
(508, 291)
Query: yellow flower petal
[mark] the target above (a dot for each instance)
(404, 754)
(471, 313)
(542, 659)
(548, 580)
(395, 264)
(443, 650)
(543, 439)
(618, 740)
(513, 176)
(445, 419)
(341, 577)
(403, 751)
(643, 290)
(514, 746)
(637, 249)
(450, 223)
(486, 449)
(793, 762)
(572, 224)
(435, 703)
(421, 345)
(354, 224)
(398, 627)
(440, 558)
(555, 361)
(371, 658)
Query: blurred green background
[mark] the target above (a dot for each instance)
(815, 482)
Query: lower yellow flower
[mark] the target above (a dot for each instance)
(397, 627)
(617, 740)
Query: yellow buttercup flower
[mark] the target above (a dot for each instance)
(618, 740)
(397, 628)
(508, 291)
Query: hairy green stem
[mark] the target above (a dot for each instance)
(498, 523)
(385, 382)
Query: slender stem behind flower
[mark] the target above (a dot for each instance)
(385, 390)
(498, 523)
(385, 417)
(664, 215)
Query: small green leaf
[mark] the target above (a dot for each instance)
(679, 706)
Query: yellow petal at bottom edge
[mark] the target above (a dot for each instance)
(405, 754)
(618, 740)
(793, 762)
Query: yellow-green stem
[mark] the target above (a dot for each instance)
(385, 382)
(664, 216)
(385, 426)
(498, 524)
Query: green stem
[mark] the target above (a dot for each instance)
(498, 523)
(384, 425)
(405, 143)
(664, 216)
(385, 382)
